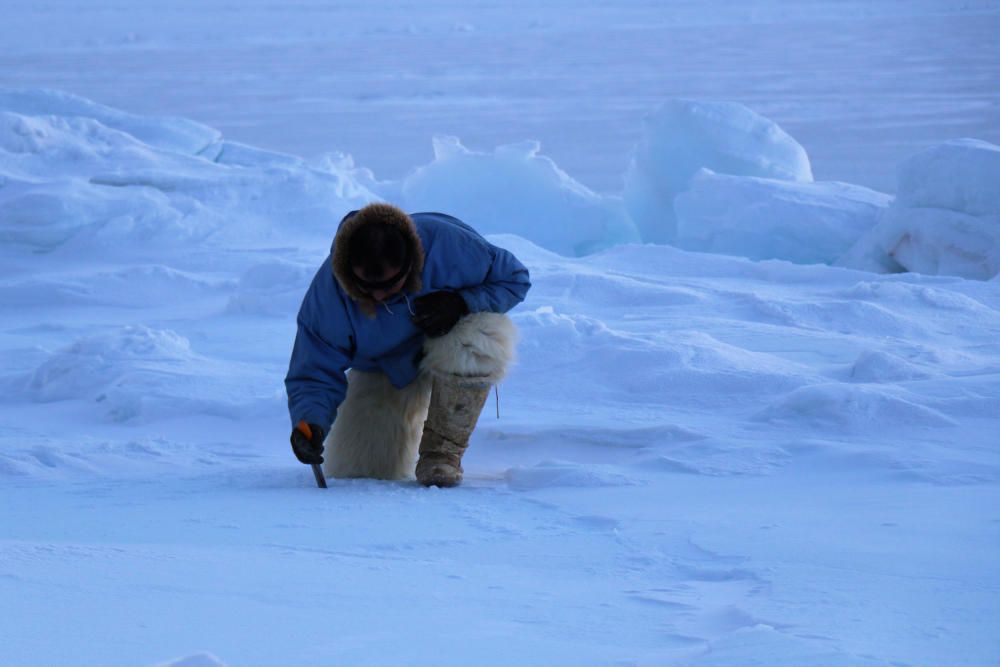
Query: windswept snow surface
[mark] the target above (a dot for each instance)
(700, 459)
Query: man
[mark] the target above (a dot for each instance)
(413, 306)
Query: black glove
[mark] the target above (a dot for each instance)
(436, 313)
(307, 443)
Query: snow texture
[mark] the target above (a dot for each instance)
(701, 459)
(197, 660)
(665, 407)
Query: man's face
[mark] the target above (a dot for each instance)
(383, 285)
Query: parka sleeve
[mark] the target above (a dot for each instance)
(505, 285)
(316, 382)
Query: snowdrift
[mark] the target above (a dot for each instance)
(86, 179)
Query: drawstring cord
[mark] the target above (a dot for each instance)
(496, 392)
(409, 307)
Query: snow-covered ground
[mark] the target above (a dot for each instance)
(701, 459)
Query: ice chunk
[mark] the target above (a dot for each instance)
(684, 136)
(759, 218)
(946, 217)
(959, 175)
(515, 190)
(941, 242)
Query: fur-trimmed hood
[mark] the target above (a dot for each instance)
(379, 213)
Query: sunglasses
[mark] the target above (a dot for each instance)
(369, 285)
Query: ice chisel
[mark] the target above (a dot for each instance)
(320, 478)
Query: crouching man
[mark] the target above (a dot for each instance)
(413, 307)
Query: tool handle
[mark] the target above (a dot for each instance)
(303, 427)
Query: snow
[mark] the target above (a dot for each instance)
(178, 135)
(738, 451)
(197, 660)
(69, 178)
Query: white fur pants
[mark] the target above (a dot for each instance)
(378, 427)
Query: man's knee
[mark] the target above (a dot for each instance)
(480, 345)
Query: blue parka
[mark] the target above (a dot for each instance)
(337, 330)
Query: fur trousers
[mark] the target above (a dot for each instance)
(378, 427)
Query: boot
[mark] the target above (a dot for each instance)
(463, 365)
(456, 402)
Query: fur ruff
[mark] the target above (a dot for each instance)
(480, 348)
(378, 427)
(378, 213)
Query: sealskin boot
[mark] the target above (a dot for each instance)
(456, 402)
